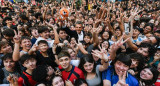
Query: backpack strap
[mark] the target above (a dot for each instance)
(25, 78)
(71, 72)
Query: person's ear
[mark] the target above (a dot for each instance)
(24, 65)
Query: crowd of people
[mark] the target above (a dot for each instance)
(98, 43)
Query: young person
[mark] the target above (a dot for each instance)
(120, 65)
(44, 53)
(91, 70)
(148, 76)
(42, 74)
(69, 72)
(4, 49)
(10, 68)
(29, 62)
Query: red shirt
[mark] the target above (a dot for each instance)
(31, 81)
(77, 73)
(157, 82)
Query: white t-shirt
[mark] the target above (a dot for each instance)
(50, 42)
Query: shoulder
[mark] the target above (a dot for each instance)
(132, 79)
(76, 69)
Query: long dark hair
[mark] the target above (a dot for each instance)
(153, 80)
(87, 58)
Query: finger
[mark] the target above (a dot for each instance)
(124, 75)
(15, 32)
(121, 38)
(126, 40)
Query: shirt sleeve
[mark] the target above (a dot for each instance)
(20, 81)
(107, 74)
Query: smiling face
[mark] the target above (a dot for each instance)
(146, 74)
(143, 51)
(134, 63)
(64, 62)
(147, 29)
(43, 47)
(30, 64)
(6, 49)
(57, 81)
(45, 34)
(9, 64)
(87, 39)
(88, 67)
(120, 67)
(26, 44)
(72, 54)
(105, 35)
(135, 33)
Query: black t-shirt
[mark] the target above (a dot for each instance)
(50, 60)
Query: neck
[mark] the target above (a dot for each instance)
(10, 70)
(69, 68)
(8, 25)
(29, 71)
(25, 50)
(135, 37)
(44, 54)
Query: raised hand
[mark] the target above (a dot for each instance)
(119, 43)
(134, 13)
(13, 80)
(34, 48)
(16, 37)
(122, 79)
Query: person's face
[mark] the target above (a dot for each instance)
(142, 25)
(135, 33)
(73, 41)
(118, 32)
(64, 62)
(35, 33)
(51, 34)
(72, 54)
(6, 49)
(105, 35)
(88, 67)
(120, 67)
(9, 22)
(43, 47)
(147, 29)
(90, 21)
(157, 34)
(30, 64)
(50, 72)
(9, 64)
(57, 81)
(146, 74)
(26, 44)
(87, 39)
(62, 34)
(143, 51)
(134, 63)
(105, 44)
(72, 28)
(151, 40)
(51, 21)
(45, 34)
(100, 39)
(78, 28)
